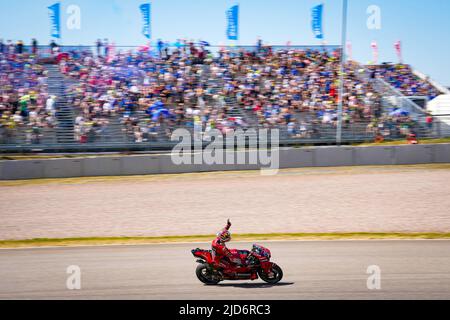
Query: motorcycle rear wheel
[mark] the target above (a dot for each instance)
(204, 275)
(278, 275)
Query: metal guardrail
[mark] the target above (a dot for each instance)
(320, 135)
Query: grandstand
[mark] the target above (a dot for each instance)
(80, 99)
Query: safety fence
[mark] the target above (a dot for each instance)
(117, 138)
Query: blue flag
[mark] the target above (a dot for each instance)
(55, 20)
(233, 23)
(146, 13)
(317, 13)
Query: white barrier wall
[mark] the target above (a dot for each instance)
(441, 153)
(297, 158)
(374, 156)
(334, 157)
(162, 164)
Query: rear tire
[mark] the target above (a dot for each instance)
(204, 275)
(278, 275)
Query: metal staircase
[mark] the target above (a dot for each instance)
(64, 112)
(393, 98)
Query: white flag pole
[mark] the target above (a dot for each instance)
(342, 70)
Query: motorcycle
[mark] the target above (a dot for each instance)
(257, 264)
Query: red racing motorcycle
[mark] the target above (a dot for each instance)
(257, 263)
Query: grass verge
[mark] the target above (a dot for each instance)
(67, 242)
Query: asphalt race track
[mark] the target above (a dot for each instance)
(312, 270)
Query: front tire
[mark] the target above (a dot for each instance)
(278, 275)
(205, 275)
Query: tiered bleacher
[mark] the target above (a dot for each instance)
(27, 109)
(141, 96)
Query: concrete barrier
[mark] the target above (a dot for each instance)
(101, 166)
(334, 156)
(374, 156)
(166, 165)
(63, 168)
(23, 169)
(138, 165)
(414, 154)
(442, 153)
(160, 164)
(239, 155)
(226, 165)
(297, 158)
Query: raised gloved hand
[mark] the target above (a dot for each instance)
(228, 223)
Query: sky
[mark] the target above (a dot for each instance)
(423, 26)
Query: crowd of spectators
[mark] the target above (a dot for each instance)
(402, 77)
(150, 92)
(19, 47)
(25, 105)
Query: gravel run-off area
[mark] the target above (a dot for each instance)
(360, 199)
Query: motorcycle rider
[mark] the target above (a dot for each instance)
(230, 259)
(220, 250)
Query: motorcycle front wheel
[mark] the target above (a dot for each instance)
(205, 275)
(277, 275)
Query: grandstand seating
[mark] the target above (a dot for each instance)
(311, 72)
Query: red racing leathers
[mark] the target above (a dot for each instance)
(221, 254)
